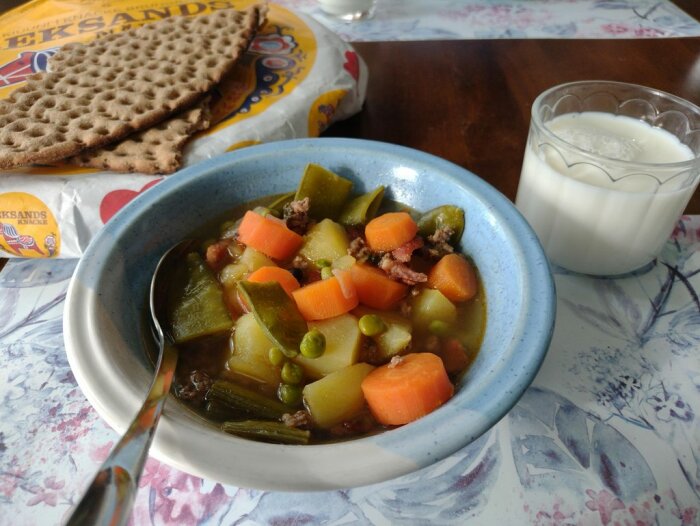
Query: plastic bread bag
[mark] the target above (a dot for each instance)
(296, 79)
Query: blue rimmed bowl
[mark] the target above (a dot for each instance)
(106, 331)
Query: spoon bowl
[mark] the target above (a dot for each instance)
(110, 496)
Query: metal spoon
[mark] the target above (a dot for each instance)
(110, 497)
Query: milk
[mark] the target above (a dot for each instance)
(588, 222)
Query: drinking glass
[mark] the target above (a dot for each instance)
(348, 10)
(608, 169)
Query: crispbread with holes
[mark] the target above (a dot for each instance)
(155, 150)
(100, 92)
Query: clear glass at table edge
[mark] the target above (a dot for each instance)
(608, 170)
(348, 10)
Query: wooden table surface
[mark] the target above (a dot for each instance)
(469, 101)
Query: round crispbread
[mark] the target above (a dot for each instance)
(100, 92)
(155, 150)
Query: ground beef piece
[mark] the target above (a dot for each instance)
(442, 234)
(432, 344)
(195, 387)
(359, 425)
(369, 352)
(296, 215)
(301, 420)
(297, 273)
(300, 262)
(217, 254)
(404, 253)
(395, 361)
(355, 231)
(439, 243)
(359, 249)
(400, 271)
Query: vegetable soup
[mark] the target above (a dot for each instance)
(319, 315)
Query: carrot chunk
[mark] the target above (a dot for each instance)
(454, 356)
(326, 298)
(389, 231)
(454, 276)
(407, 388)
(375, 289)
(285, 278)
(269, 235)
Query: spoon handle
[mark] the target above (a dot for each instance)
(109, 497)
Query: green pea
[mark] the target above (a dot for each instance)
(289, 394)
(276, 356)
(313, 344)
(292, 373)
(439, 328)
(326, 273)
(371, 325)
(323, 262)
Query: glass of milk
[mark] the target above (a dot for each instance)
(608, 170)
(348, 10)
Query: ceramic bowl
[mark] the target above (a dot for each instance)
(106, 331)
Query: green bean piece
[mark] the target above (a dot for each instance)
(313, 344)
(276, 432)
(371, 325)
(219, 411)
(276, 356)
(362, 209)
(326, 273)
(440, 328)
(280, 201)
(197, 302)
(290, 394)
(276, 313)
(321, 263)
(243, 401)
(292, 373)
(327, 192)
(446, 215)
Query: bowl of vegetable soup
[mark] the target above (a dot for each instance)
(352, 311)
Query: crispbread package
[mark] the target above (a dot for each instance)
(295, 79)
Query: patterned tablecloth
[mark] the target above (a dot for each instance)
(607, 434)
(476, 19)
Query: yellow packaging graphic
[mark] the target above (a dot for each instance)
(322, 111)
(27, 227)
(296, 78)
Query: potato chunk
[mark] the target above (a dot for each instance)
(325, 240)
(337, 397)
(254, 259)
(343, 340)
(394, 339)
(251, 349)
(430, 305)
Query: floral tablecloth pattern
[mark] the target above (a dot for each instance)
(481, 19)
(608, 434)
